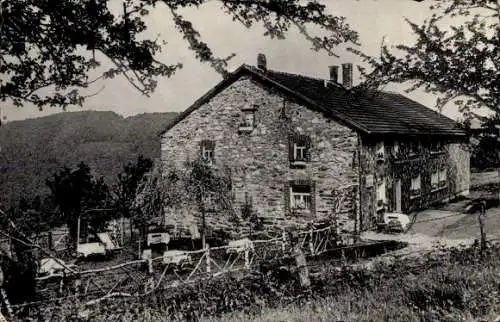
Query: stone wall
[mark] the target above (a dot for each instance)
(259, 160)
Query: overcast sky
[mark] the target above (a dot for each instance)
(373, 19)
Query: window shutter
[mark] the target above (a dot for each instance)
(287, 197)
(313, 198)
(308, 148)
(291, 142)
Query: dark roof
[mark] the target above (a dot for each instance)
(376, 113)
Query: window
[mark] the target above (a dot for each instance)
(436, 147)
(300, 198)
(248, 121)
(379, 151)
(299, 150)
(434, 180)
(442, 177)
(207, 151)
(415, 187)
(414, 148)
(395, 148)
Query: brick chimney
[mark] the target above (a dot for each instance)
(334, 73)
(261, 62)
(347, 75)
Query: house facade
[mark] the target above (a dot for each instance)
(292, 141)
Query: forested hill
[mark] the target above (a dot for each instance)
(33, 149)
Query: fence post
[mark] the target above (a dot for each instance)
(207, 254)
(300, 260)
(247, 258)
(6, 301)
(311, 245)
(77, 287)
(482, 213)
(283, 241)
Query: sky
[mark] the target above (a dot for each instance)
(372, 19)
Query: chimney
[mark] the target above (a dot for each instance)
(334, 73)
(261, 62)
(347, 75)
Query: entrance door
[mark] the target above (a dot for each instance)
(397, 195)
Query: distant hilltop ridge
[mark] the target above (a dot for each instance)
(32, 150)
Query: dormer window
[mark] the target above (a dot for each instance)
(299, 150)
(207, 151)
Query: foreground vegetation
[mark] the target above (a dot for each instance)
(445, 285)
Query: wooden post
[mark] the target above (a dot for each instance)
(283, 241)
(78, 232)
(311, 245)
(207, 252)
(482, 213)
(139, 245)
(247, 258)
(6, 301)
(77, 287)
(300, 260)
(121, 230)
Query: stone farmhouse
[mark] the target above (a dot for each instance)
(291, 141)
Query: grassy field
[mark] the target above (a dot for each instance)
(456, 287)
(455, 284)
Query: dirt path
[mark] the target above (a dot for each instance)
(441, 228)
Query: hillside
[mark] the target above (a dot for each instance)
(32, 150)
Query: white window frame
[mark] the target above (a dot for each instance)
(303, 199)
(434, 179)
(249, 118)
(303, 149)
(207, 154)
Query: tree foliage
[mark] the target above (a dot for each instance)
(56, 44)
(127, 184)
(456, 55)
(76, 193)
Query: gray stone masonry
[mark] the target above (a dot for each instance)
(259, 160)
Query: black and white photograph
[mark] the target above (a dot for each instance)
(250, 160)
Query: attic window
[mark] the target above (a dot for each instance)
(299, 150)
(207, 148)
(248, 121)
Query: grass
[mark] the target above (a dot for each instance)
(459, 290)
(447, 285)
